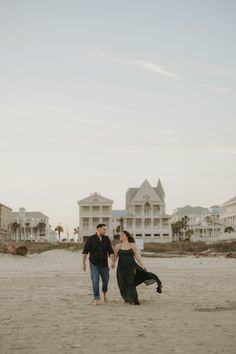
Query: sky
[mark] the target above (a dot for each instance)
(97, 96)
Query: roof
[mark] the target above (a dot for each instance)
(2, 205)
(158, 191)
(118, 213)
(230, 201)
(95, 198)
(31, 214)
(189, 210)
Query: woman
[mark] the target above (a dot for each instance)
(131, 271)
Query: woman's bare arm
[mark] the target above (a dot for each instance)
(137, 256)
(116, 250)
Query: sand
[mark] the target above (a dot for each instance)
(46, 307)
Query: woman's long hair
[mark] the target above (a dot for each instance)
(129, 237)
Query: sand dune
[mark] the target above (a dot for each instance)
(46, 308)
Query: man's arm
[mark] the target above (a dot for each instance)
(85, 252)
(84, 262)
(112, 260)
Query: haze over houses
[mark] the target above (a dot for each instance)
(144, 216)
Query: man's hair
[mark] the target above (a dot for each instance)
(100, 225)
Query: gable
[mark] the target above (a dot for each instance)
(95, 198)
(146, 193)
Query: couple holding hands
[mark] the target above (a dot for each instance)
(130, 270)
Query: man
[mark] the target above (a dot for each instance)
(99, 247)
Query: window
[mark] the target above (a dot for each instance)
(138, 235)
(147, 209)
(156, 222)
(138, 209)
(165, 221)
(157, 235)
(138, 223)
(85, 223)
(156, 209)
(95, 222)
(147, 235)
(105, 221)
(105, 209)
(129, 223)
(147, 223)
(166, 235)
(95, 210)
(85, 209)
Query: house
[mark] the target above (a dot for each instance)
(30, 225)
(146, 216)
(5, 222)
(228, 213)
(94, 210)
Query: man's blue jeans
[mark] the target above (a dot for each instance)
(96, 272)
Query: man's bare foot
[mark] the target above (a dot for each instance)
(105, 297)
(95, 302)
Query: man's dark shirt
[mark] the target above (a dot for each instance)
(98, 250)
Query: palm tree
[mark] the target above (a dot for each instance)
(76, 231)
(27, 229)
(229, 229)
(118, 229)
(35, 231)
(188, 234)
(180, 228)
(59, 230)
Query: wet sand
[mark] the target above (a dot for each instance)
(45, 302)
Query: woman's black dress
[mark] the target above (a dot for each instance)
(130, 274)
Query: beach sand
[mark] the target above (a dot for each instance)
(46, 307)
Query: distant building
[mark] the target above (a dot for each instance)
(228, 213)
(204, 230)
(194, 214)
(30, 225)
(117, 217)
(94, 210)
(5, 222)
(202, 222)
(145, 217)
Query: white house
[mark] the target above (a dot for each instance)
(228, 213)
(94, 210)
(30, 225)
(146, 218)
(5, 222)
(205, 223)
(194, 214)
